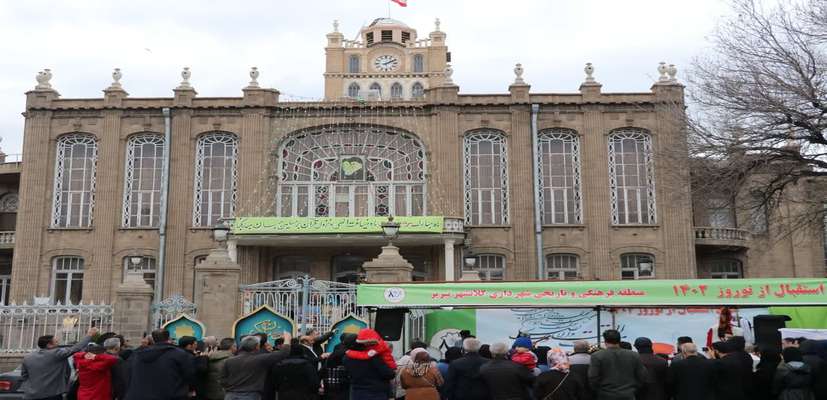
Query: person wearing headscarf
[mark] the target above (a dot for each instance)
(793, 379)
(558, 383)
(421, 378)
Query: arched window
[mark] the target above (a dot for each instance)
(74, 187)
(418, 63)
(631, 177)
(490, 267)
(292, 267)
(216, 160)
(144, 265)
(559, 175)
(142, 181)
(376, 88)
(726, 268)
(417, 90)
(353, 64)
(486, 178)
(396, 90)
(8, 211)
(67, 280)
(353, 170)
(561, 266)
(353, 90)
(637, 266)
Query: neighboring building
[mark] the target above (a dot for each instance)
(392, 137)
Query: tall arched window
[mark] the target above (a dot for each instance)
(490, 267)
(418, 63)
(486, 178)
(396, 90)
(562, 266)
(353, 64)
(74, 187)
(417, 90)
(637, 266)
(631, 177)
(142, 181)
(67, 280)
(351, 171)
(216, 160)
(353, 90)
(559, 175)
(375, 87)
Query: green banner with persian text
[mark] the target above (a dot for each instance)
(322, 225)
(707, 292)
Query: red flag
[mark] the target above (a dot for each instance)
(403, 3)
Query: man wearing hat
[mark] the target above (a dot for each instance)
(655, 387)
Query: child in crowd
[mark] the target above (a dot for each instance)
(521, 354)
(372, 345)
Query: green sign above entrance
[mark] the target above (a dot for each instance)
(322, 225)
(689, 292)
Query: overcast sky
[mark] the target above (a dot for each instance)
(82, 40)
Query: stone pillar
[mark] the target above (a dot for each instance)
(133, 301)
(216, 292)
(450, 266)
(388, 266)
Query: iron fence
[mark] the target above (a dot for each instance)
(21, 325)
(171, 308)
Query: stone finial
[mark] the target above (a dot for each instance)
(335, 25)
(43, 78)
(254, 77)
(662, 70)
(436, 25)
(672, 70)
(448, 73)
(116, 79)
(518, 74)
(185, 83)
(589, 70)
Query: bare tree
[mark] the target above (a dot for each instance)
(759, 108)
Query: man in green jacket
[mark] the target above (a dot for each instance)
(615, 373)
(216, 363)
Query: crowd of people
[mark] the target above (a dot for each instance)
(362, 367)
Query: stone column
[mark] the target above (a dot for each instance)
(388, 266)
(216, 292)
(133, 301)
(450, 266)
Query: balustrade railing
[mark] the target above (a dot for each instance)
(6, 237)
(21, 325)
(714, 233)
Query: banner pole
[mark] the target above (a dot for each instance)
(598, 325)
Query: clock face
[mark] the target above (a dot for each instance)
(386, 63)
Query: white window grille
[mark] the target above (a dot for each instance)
(67, 280)
(5, 279)
(396, 90)
(376, 89)
(353, 64)
(146, 267)
(142, 181)
(486, 178)
(353, 90)
(292, 267)
(562, 266)
(418, 63)
(74, 185)
(216, 171)
(720, 212)
(631, 177)
(490, 267)
(726, 268)
(637, 266)
(351, 171)
(417, 90)
(559, 163)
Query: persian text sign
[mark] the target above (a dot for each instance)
(758, 292)
(321, 225)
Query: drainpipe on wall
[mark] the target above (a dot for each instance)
(535, 166)
(162, 225)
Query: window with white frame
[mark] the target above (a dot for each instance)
(631, 177)
(562, 266)
(376, 89)
(720, 212)
(67, 280)
(353, 64)
(353, 90)
(74, 181)
(396, 90)
(417, 90)
(559, 175)
(490, 267)
(418, 63)
(486, 178)
(216, 161)
(637, 266)
(726, 268)
(5, 279)
(355, 170)
(142, 181)
(144, 265)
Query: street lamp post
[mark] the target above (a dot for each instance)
(389, 265)
(391, 230)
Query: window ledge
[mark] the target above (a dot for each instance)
(53, 229)
(654, 226)
(578, 226)
(201, 228)
(137, 229)
(489, 226)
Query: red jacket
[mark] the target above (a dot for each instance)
(374, 346)
(94, 376)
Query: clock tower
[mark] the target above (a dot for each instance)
(386, 63)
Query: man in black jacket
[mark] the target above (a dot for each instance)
(731, 372)
(504, 379)
(692, 377)
(464, 381)
(655, 387)
(369, 379)
(161, 371)
(318, 340)
(244, 375)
